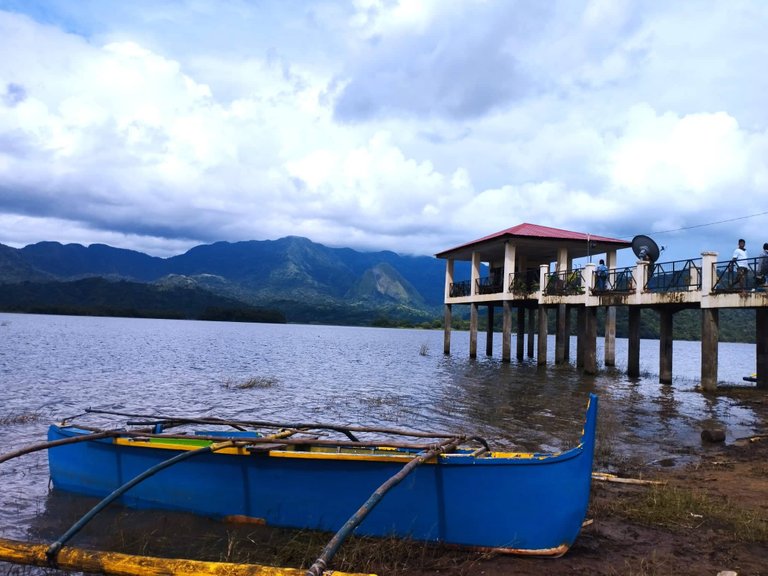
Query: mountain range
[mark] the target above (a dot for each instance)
(305, 281)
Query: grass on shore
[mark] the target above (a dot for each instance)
(300, 548)
(679, 508)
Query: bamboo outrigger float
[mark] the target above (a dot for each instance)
(294, 475)
(116, 564)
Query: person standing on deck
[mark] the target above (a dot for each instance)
(762, 269)
(739, 260)
(601, 276)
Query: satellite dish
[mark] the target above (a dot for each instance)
(645, 248)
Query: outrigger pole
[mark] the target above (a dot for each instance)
(338, 539)
(54, 443)
(304, 426)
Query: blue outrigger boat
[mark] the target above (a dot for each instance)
(429, 487)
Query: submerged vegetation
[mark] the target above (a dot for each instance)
(250, 383)
(20, 418)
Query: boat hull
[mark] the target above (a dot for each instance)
(532, 504)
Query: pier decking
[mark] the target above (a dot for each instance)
(520, 274)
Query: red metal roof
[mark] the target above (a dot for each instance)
(535, 231)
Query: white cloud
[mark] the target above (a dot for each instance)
(700, 154)
(403, 125)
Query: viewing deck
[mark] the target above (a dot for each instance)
(702, 282)
(668, 287)
(531, 268)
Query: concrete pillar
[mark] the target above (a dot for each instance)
(590, 340)
(639, 278)
(520, 332)
(562, 259)
(761, 334)
(560, 334)
(633, 344)
(447, 319)
(610, 336)
(489, 332)
(710, 320)
(580, 335)
(665, 345)
(510, 254)
(541, 352)
(475, 273)
(473, 330)
(610, 318)
(567, 339)
(448, 277)
(506, 332)
(708, 261)
(710, 323)
(531, 331)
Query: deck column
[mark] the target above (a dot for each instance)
(761, 330)
(506, 331)
(489, 332)
(541, 349)
(610, 336)
(449, 267)
(531, 331)
(580, 335)
(560, 331)
(567, 334)
(520, 332)
(709, 337)
(473, 330)
(447, 320)
(590, 340)
(633, 344)
(510, 253)
(610, 318)
(665, 345)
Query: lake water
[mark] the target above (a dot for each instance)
(55, 366)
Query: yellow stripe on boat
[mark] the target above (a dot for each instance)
(518, 455)
(313, 455)
(177, 444)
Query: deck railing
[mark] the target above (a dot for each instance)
(459, 289)
(523, 282)
(489, 285)
(566, 283)
(739, 275)
(617, 281)
(677, 276)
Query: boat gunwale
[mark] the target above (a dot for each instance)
(321, 450)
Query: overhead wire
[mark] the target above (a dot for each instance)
(705, 225)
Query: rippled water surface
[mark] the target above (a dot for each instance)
(55, 366)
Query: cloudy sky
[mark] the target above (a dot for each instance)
(410, 125)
